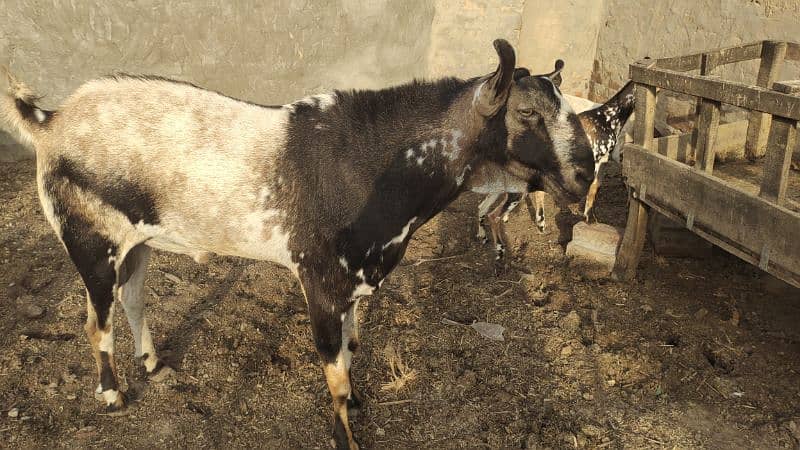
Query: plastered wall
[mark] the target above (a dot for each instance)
(633, 29)
(264, 51)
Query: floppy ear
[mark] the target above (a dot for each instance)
(494, 91)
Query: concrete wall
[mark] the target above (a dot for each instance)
(562, 29)
(280, 50)
(264, 51)
(633, 29)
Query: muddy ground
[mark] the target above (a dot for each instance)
(694, 354)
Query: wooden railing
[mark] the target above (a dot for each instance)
(758, 228)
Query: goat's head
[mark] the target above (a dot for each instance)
(543, 138)
(545, 134)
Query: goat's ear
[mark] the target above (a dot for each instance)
(520, 73)
(555, 75)
(494, 91)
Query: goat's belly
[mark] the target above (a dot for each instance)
(510, 185)
(265, 242)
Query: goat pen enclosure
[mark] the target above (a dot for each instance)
(749, 216)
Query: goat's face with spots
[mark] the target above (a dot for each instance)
(545, 134)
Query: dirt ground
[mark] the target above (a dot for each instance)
(694, 354)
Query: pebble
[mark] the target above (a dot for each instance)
(571, 322)
(700, 314)
(28, 308)
(71, 396)
(13, 412)
(380, 432)
(566, 351)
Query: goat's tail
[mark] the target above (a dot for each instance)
(18, 109)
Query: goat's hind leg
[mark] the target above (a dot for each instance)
(94, 255)
(131, 294)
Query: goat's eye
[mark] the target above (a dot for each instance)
(527, 112)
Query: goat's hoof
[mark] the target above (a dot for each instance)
(119, 407)
(354, 402)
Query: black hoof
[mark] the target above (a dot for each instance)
(119, 407)
(354, 402)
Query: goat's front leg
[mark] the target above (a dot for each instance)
(512, 200)
(539, 219)
(483, 209)
(590, 197)
(336, 338)
(496, 226)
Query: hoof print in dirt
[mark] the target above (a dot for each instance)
(161, 373)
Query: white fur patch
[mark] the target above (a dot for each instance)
(402, 236)
(363, 288)
(39, 114)
(477, 94)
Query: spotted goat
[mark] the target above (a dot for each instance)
(602, 124)
(331, 187)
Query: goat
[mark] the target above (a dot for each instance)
(603, 125)
(331, 187)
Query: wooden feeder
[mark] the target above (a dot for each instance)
(741, 207)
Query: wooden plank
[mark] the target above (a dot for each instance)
(730, 92)
(772, 56)
(717, 207)
(645, 110)
(775, 178)
(630, 249)
(726, 55)
(707, 128)
(679, 146)
(792, 51)
(731, 247)
(791, 87)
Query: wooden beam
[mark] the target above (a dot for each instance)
(707, 128)
(792, 51)
(645, 111)
(769, 233)
(775, 178)
(772, 55)
(723, 56)
(730, 92)
(630, 249)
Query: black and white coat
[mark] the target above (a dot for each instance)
(332, 186)
(602, 124)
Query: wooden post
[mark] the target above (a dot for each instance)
(772, 54)
(630, 249)
(775, 177)
(708, 63)
(705, 134)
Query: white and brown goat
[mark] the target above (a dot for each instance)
(332, 187)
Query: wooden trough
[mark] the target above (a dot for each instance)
(749, 217)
